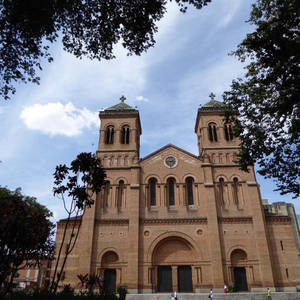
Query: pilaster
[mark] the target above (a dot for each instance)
(260, 230)
(133, 232)
(213, 229)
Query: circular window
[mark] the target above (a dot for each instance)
(170, 161)
(199, 231)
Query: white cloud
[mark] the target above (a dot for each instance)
(1, 110)
(142, 98)
(232, 8)
(58, 119)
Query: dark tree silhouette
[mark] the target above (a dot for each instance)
(267, 99)
(25, 234)
(87, 28)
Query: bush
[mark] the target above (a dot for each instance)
(122, 291)
(231, 289)
(66, 294)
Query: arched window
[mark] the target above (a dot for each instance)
(171, 191)
(109, 135)
(189, 190)
(221, 190)
(120, 193)
(106, 193)
(152, 191)
(235, 186)
(228, 132)
(212, 132)
(125, 135)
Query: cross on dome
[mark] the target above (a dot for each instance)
(123, 98)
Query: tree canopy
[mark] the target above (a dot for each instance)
(87, 28)
(25, 232)
(267, 99)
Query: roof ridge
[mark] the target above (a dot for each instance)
(213, 105)
(121, 106)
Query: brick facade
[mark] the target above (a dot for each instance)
(176, 221)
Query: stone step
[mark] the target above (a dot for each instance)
(217, 296)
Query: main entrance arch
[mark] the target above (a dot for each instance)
(108, 264)
(172, 260)
(238, 259)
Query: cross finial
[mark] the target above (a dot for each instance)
(123, 98)
(212, 96)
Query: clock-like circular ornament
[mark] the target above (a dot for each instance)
(170, 161)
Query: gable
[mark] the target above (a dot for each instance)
(168, 149)
(183, 164)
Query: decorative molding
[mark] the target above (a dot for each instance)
(174, 221)
(113, 222)
(135, 186)
(209, 184)
(206, 165)
(252, 183)
(278, 219)
(230, 220)
(224, 165)
(71, 220)
(221, 148)
(117, 151)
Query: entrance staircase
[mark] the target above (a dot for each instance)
(217, 296)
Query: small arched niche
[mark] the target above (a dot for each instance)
(108, 258)
(238, 256)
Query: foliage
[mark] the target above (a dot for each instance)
(90, 281)
(38, 295)
(76, 185)
(87, 28)
(121, 288)
(231, 289)
(267, 99)
(83, 279)
(122, 291)
(25, 233)
(67, 290)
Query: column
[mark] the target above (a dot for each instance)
(174, 279)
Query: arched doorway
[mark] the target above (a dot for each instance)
(172, 260)
(238, 259)
(108, 263)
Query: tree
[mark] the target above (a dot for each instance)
(25, 234)
(267, 99)
(77, 186)
(87, 28)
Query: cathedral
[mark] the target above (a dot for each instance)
(176, 221)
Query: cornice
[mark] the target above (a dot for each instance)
(235, 220)
(278, 219)
(118, 150)
(174, 221)
(115, 222)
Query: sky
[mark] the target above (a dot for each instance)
(49, 124)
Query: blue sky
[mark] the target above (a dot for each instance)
(43, 126)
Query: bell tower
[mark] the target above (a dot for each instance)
(119, 140)
(215, 136)
(119, 151)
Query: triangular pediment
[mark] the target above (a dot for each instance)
(167, 148)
